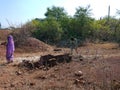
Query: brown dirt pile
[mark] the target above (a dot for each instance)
(35, 45)
(4, 34)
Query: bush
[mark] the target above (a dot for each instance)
(21, 34)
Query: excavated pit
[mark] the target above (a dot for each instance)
(46, 61)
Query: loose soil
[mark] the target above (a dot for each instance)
(99, 64)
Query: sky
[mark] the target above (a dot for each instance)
(18, 12)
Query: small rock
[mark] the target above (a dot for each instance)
(81, 58)
(41, 77)
(31, 84)
(56, 69)
(77, 81)
(18, 72)
(12, 85)
(79, 73)
(46, 68)
(82, 82)
(53, 75)
(57, 49)
(81, 78)
(14, 65)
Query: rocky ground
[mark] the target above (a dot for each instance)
(94, 67)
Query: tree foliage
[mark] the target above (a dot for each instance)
(49, 30)
(55, 12)
(59, 26)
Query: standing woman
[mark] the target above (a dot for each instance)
(10, 48)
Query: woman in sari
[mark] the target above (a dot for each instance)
(10, 49)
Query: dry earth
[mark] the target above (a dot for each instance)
(94, 67)
(100, 65)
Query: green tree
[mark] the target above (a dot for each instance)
(55, 12)
(83, 22)
(117, 28)
(60, 15)
(49, 30)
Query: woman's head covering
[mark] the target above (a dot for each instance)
(10, 38)
(10, 43)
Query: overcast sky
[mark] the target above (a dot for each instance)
(17, 12)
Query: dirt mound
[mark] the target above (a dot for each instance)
(35, 45)
(46, 61)
(4, 34)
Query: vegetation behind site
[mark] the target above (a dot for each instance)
(58, 27)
